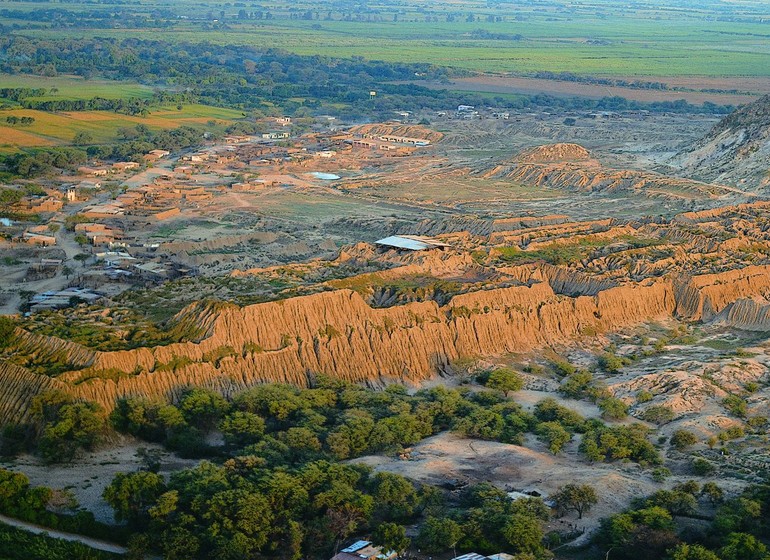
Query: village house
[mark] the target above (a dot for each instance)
(364, 550)
(275, 135)
(38, 238)
(124, 166)
(92, 171)
(33, 205)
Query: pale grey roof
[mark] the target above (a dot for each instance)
(356, 546)
(411, 242)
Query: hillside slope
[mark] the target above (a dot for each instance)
(736, 151)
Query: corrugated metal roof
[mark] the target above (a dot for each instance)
(358, 545)
(471, 556)
(411, 242)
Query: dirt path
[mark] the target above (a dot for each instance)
(88, 541)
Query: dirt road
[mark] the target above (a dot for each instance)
(88, 541)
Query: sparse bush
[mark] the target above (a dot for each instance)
(660, 474)
(643, 397)
(736, 405)
(657, 414)
(576, 385)
(682, 439)
(702, 467)
(612, 363)
(563, 368)
(613, 409)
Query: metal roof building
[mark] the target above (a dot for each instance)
(411, 242)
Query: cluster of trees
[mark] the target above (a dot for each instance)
(60, 428)
(137, 141)
(17, 94)
(648, 531)
(133, 144)
(244, 506)
(128, 106)
(285, 424)
(23, 121)
(487, 521)
(39, 161)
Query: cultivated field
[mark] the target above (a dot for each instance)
(75, 87)
(60, 128)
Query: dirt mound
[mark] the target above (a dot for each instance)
(551, 153)
(570, 167)
(398, 129)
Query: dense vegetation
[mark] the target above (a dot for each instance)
(649, 530)
(16, 544)
(55, 509)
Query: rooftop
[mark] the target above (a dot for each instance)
(411, 242)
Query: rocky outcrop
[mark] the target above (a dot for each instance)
(338, 334)
(44, 349)
(702, 297)
(570, 167)
(736, 151)
(19, 387)
(750, 314)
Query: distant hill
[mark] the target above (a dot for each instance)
(736, 151)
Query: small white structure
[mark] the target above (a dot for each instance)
(411, 243)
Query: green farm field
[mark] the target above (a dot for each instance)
(635, 42)
(74, 87)
(60, 128)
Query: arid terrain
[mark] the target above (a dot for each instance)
(569, 237)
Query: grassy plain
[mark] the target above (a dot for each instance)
(617, 43)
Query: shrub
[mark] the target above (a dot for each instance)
(658, 414)
(682, 439)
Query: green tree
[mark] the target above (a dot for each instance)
(703, 467)
(394, 496)
(73, 427)
(576, 385)
(742, 546)
(505, 380)
(682, 439)
(391, 536)
(7, 331)
(523, 533)
(577, 497)
(553, 435)
(439, 534)
(242, 428)
(713, 492)
(83, 139)
(613, 408)
(691, 552)
(203, 408)
(132, 495)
